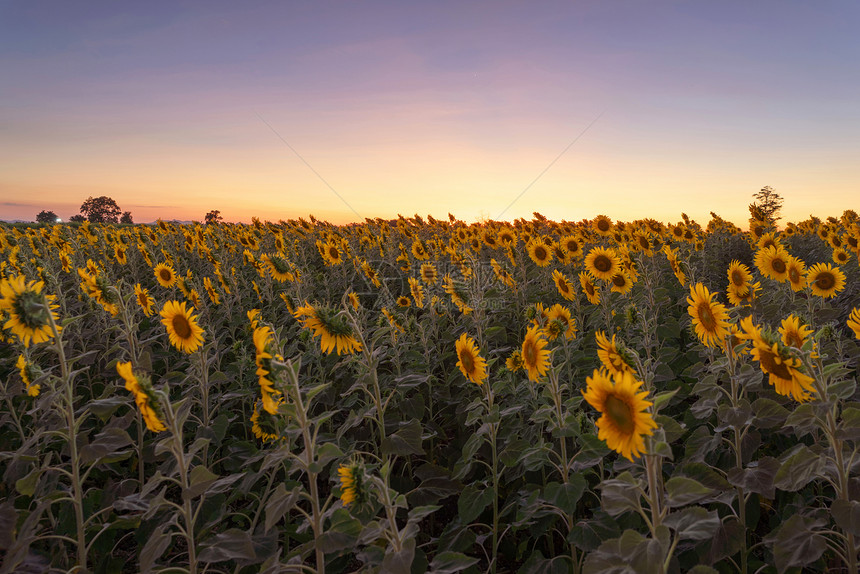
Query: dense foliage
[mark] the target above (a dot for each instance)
(430, 396)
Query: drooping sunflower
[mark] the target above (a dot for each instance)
(772, 262)
(854, 321)
(353, 300)
(539, 252)
(710, 318)
(611, 355)
(563, 284)
(331, 327)
(472, 365)
(783, 368)
(589, 288)
(825, 280)
(560, 316)
(29, 310)
(185, 334)
(278, 267)
(624, 421)
(165, 275)
(262, 340)
(535, 356)
(25, 369)
(794, 334)
(417, 292)
(351, 483)
(796, 274)
(144, 299)
(211, 292)
(265, 426)
(602, 263)
(144, 396)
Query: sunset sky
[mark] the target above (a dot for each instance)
(358, 109)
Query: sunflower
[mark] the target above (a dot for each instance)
(403, 301)
(739, 274)
(602, 225)
(772, 262)
(331, 254)
(782, 367)
(332, 328)
(825, 280)
(796, 274)
(609, 353)
(353, 300)
(210, 291)
(25, 369)
(539, 252)
(588, 287)
(507, 236)
(515, 361)
(572, 244)
(563, 284)
(278, 267)
(624, 419)
(419, 252)
(185, 334)
(417, 292)
(794, 334)
(262, 340)
(854, 321)
(165, 275)
(709, 318)
(144, 396)
(269, 423)
(471, 364)
(30, 311)
(144, 299)
(561, 316)
(621, 282)
(602, 263)
(535, 357)
(840, 256)
(351, 481)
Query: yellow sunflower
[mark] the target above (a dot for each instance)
(561, 316)
(428, 273)
(144, 299)
(185, 334)
(602, 263)
(165, 275)
(403, 301)
(262, 339)
(840, 256)
(572, 244)
(417, 292)
(609, 353)
(211, 292)
(739, 274)
(144, 396)
(515, 361)
(351, 479)
(539, 252)
(624, 421)
(25, 369)
(563, 284)
(825, 280)
(419, 252)
(588, 287)
(621, 282)
(854, 321)
(796, 274)
(29, 310)
(772, 262)
(602, 225)
(331, 327)
(783, 369)
(278, 267)
(471, 364)
(709, 318)
(794, 334)
(535, 357)
(353, 300)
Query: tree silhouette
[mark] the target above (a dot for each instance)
(213, 216)
(768, 203)
(77, 218)
(101, 209)
(47, 217)
(126, 217)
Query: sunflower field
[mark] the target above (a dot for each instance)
(418, 395)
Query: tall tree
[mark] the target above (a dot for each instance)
(213, 216)
(101, 209)
(126, 217)
(768, 203)
(47, 217)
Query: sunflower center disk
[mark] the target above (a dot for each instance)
(706, 317)
(602, 264)
(766, 358)
(529, 353)
(181, 326)
(620, 413)
(737, 279)
(825, 281)
(468, 363)
(778, 265)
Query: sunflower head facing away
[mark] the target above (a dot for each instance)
(29, 310)
(182, 328)
(612, 354)
(472, 365)
(624, 421)
(353, 488)
(144, 396)
(334, 330)
(783, 368)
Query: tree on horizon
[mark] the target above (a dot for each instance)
(102, 209)
(46, 216)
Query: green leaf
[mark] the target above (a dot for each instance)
(537, 564)
(661, 399)
(565, 496)
(619, 495)
(758, 477)
(27, 484)
(472, 502)
(232, 544)
(328, 452)
(399, 562)
(842, 389)
(702, 569)
(798, 470)
(407, 440)
(846, 514)
(682, 490)
(419, 512)
(154, 548)
(796, 543)
(769, 413)
(281, 502)
(849, 427)
(448, 562)
(588, 534)
(342, 533)
(107, 443)
(694, 523)
(803, 419)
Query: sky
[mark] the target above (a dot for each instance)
(487, 110)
